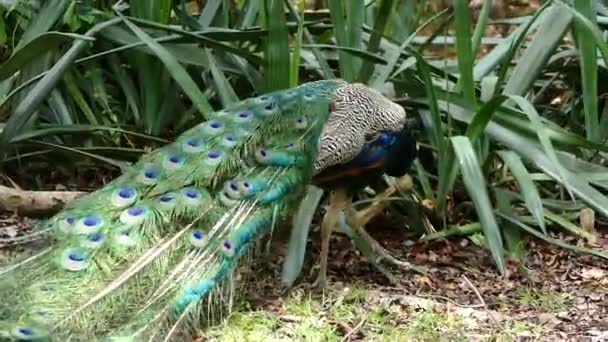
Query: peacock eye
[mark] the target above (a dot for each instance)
(74, 260)
(126, 237)
(91, 221)
(166, 198)
(88, 224)
(214, 157)
(198, 239)
(212, 127)
(96, 237)
(134, 215)
(93, 240)
(76, 257)
(136, 211)
(126, 193)
(191, 194)
(152, 174)
(26, 331)
(301, 123)
(173, 161)
(193, 142)
(193, 145)
(123, 197)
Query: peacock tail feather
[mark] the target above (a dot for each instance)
(147, 256)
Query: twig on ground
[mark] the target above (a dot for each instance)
(355, 329)
(485, 307)
(450, 300)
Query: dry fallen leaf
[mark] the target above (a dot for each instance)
(593, 273)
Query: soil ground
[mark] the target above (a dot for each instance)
(556, 295)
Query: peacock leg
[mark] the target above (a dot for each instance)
(357, 220)
(338, 201)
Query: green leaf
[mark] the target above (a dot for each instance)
(384, 12)
(177, 70)
(526, 185)
(44, 21)
(34, 49)
(39, 92)
(542, 136)
(295, 58)
(464, 50)
(475, 184)
(589, 70)
(555, 23)
(277, 46)
(557, 242)
(227, 94)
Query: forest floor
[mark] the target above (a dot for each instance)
(558, 295)
(561, 295)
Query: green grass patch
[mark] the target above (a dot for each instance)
(543, 300)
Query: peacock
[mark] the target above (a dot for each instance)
(156, 253)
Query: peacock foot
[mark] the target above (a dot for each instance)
(354, 225)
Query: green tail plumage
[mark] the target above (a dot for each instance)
(144, 257)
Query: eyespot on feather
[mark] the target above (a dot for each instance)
(229, 141)
(301, 123)
(232, 189)
(212, 127)
(225, 200)
(124, 196)
(93, 241)
(28, 333)
(214, 157)
(191, 196)
(243, 116)
(198, 238)
(74, 260)
(269, 109)
(88, 224)
(277, 157)
(149, 176)
(193, 145)
(66, 225)
(167, 200)
(228, 248)
(125, 236)
(133, 215)
(173, 161)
